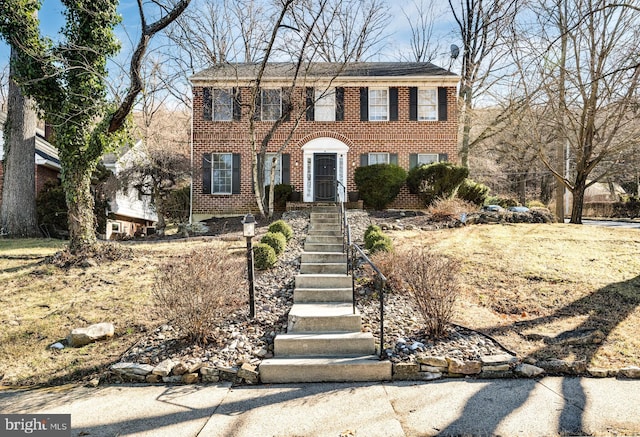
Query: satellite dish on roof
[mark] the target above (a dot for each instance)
(455, 51)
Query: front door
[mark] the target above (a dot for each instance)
(324, 170)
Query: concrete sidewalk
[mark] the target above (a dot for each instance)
(509, 407)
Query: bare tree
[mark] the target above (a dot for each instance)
(421, 17)
(586, 100)
(481, 25)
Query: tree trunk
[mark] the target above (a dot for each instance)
(18, 216)
(466, 128)
(77, 187)
(577, 205)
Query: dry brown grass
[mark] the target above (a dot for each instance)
(41, 303)
(524, 283)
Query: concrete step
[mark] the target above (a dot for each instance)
(325, 369)
(321, 228)
(324, 239)
(323, 268)
(323, 257)
(323, 281)
(323, 317)
(323, 344)
(307, 295)
(333, 209)
(325, 217)
(323, 247)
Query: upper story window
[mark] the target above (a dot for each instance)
(378, 158)
(427, 104)
(325, 104)
(378, 104)
(222, 100)
(270, 104)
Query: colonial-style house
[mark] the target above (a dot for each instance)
(335, 118)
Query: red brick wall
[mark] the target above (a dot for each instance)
(43, 175)
(402, 137)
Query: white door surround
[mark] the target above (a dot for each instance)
(324, 145)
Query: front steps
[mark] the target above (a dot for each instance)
(324, 341)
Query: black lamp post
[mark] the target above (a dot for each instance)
(249, 231)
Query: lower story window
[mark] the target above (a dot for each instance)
(378, 158)
(268, 161)
(221, 173)
(427, 158)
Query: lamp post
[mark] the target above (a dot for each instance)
(249, 231)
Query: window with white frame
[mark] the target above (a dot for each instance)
(325, 104)
(378, 158)
(270, 104)
(115, 227)
(222, 101)
(427, 158)
(221, 173)
(378, 104)
(268, 160)
(427, 104)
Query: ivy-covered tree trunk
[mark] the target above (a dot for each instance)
(18, 216)
(77, 187)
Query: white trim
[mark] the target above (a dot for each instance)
(323, 145)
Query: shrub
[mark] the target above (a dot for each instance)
(440, 179)
(264, 256)
(379, 184)
(177, 205)
(377, 241)
(282, 227)
(51, 209)
(276, 240)
(388, 263)
(473, 192)
(449, 209)
(430, 280)
(629, 209)
(535, 204)
(504, 202)
(281, 193)
(370, 229)
(196, 292)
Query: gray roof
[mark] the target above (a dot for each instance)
(325, 69)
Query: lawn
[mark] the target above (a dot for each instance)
(528, 284)
(41, 303)
(522, 284)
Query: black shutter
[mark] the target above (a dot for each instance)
(443, 157)
(206, 173)
(310, 103)
(393, 104)
(339, 104)
(237, 104)
(287, 105)
(207, 108)
(364, 104)
(413, 103)
(393, 158)
(257, 116)
(413, 160)
(286, 168)
(364, 160)
(235, 174)
(442, 104)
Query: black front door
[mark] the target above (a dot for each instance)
(324, 169)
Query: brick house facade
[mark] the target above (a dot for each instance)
(347, 116)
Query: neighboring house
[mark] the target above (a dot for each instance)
(401, 113)
(131, 213)
(46, 159)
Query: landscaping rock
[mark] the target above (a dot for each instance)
(495, 375)
(248, 373)
(495, 360)
(432, 369)
(528, 370)
(164, 368)
(228, 374)
(406, 371)
(190, 378)
(173, 379)
(210, 374)
(464, 367)
(179, 369)
(435, 361)
(630, 372)
(153, 378)
(597, 372)
(132, 370)
(430, 376)
(57, 346)
(82, 336)
(498, 368)
(561, 367)
(580, 337)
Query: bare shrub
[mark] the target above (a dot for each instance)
(197, 291)
(389, 263)
(449, 209)
(431, 281)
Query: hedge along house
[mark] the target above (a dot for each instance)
(334, 118)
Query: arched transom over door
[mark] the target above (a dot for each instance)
(325, 170)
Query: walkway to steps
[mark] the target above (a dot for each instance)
(324, 341)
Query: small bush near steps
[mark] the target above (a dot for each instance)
(196, 292)
(377, 241)
(282, 227)
(276, 240)
(264, 257)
